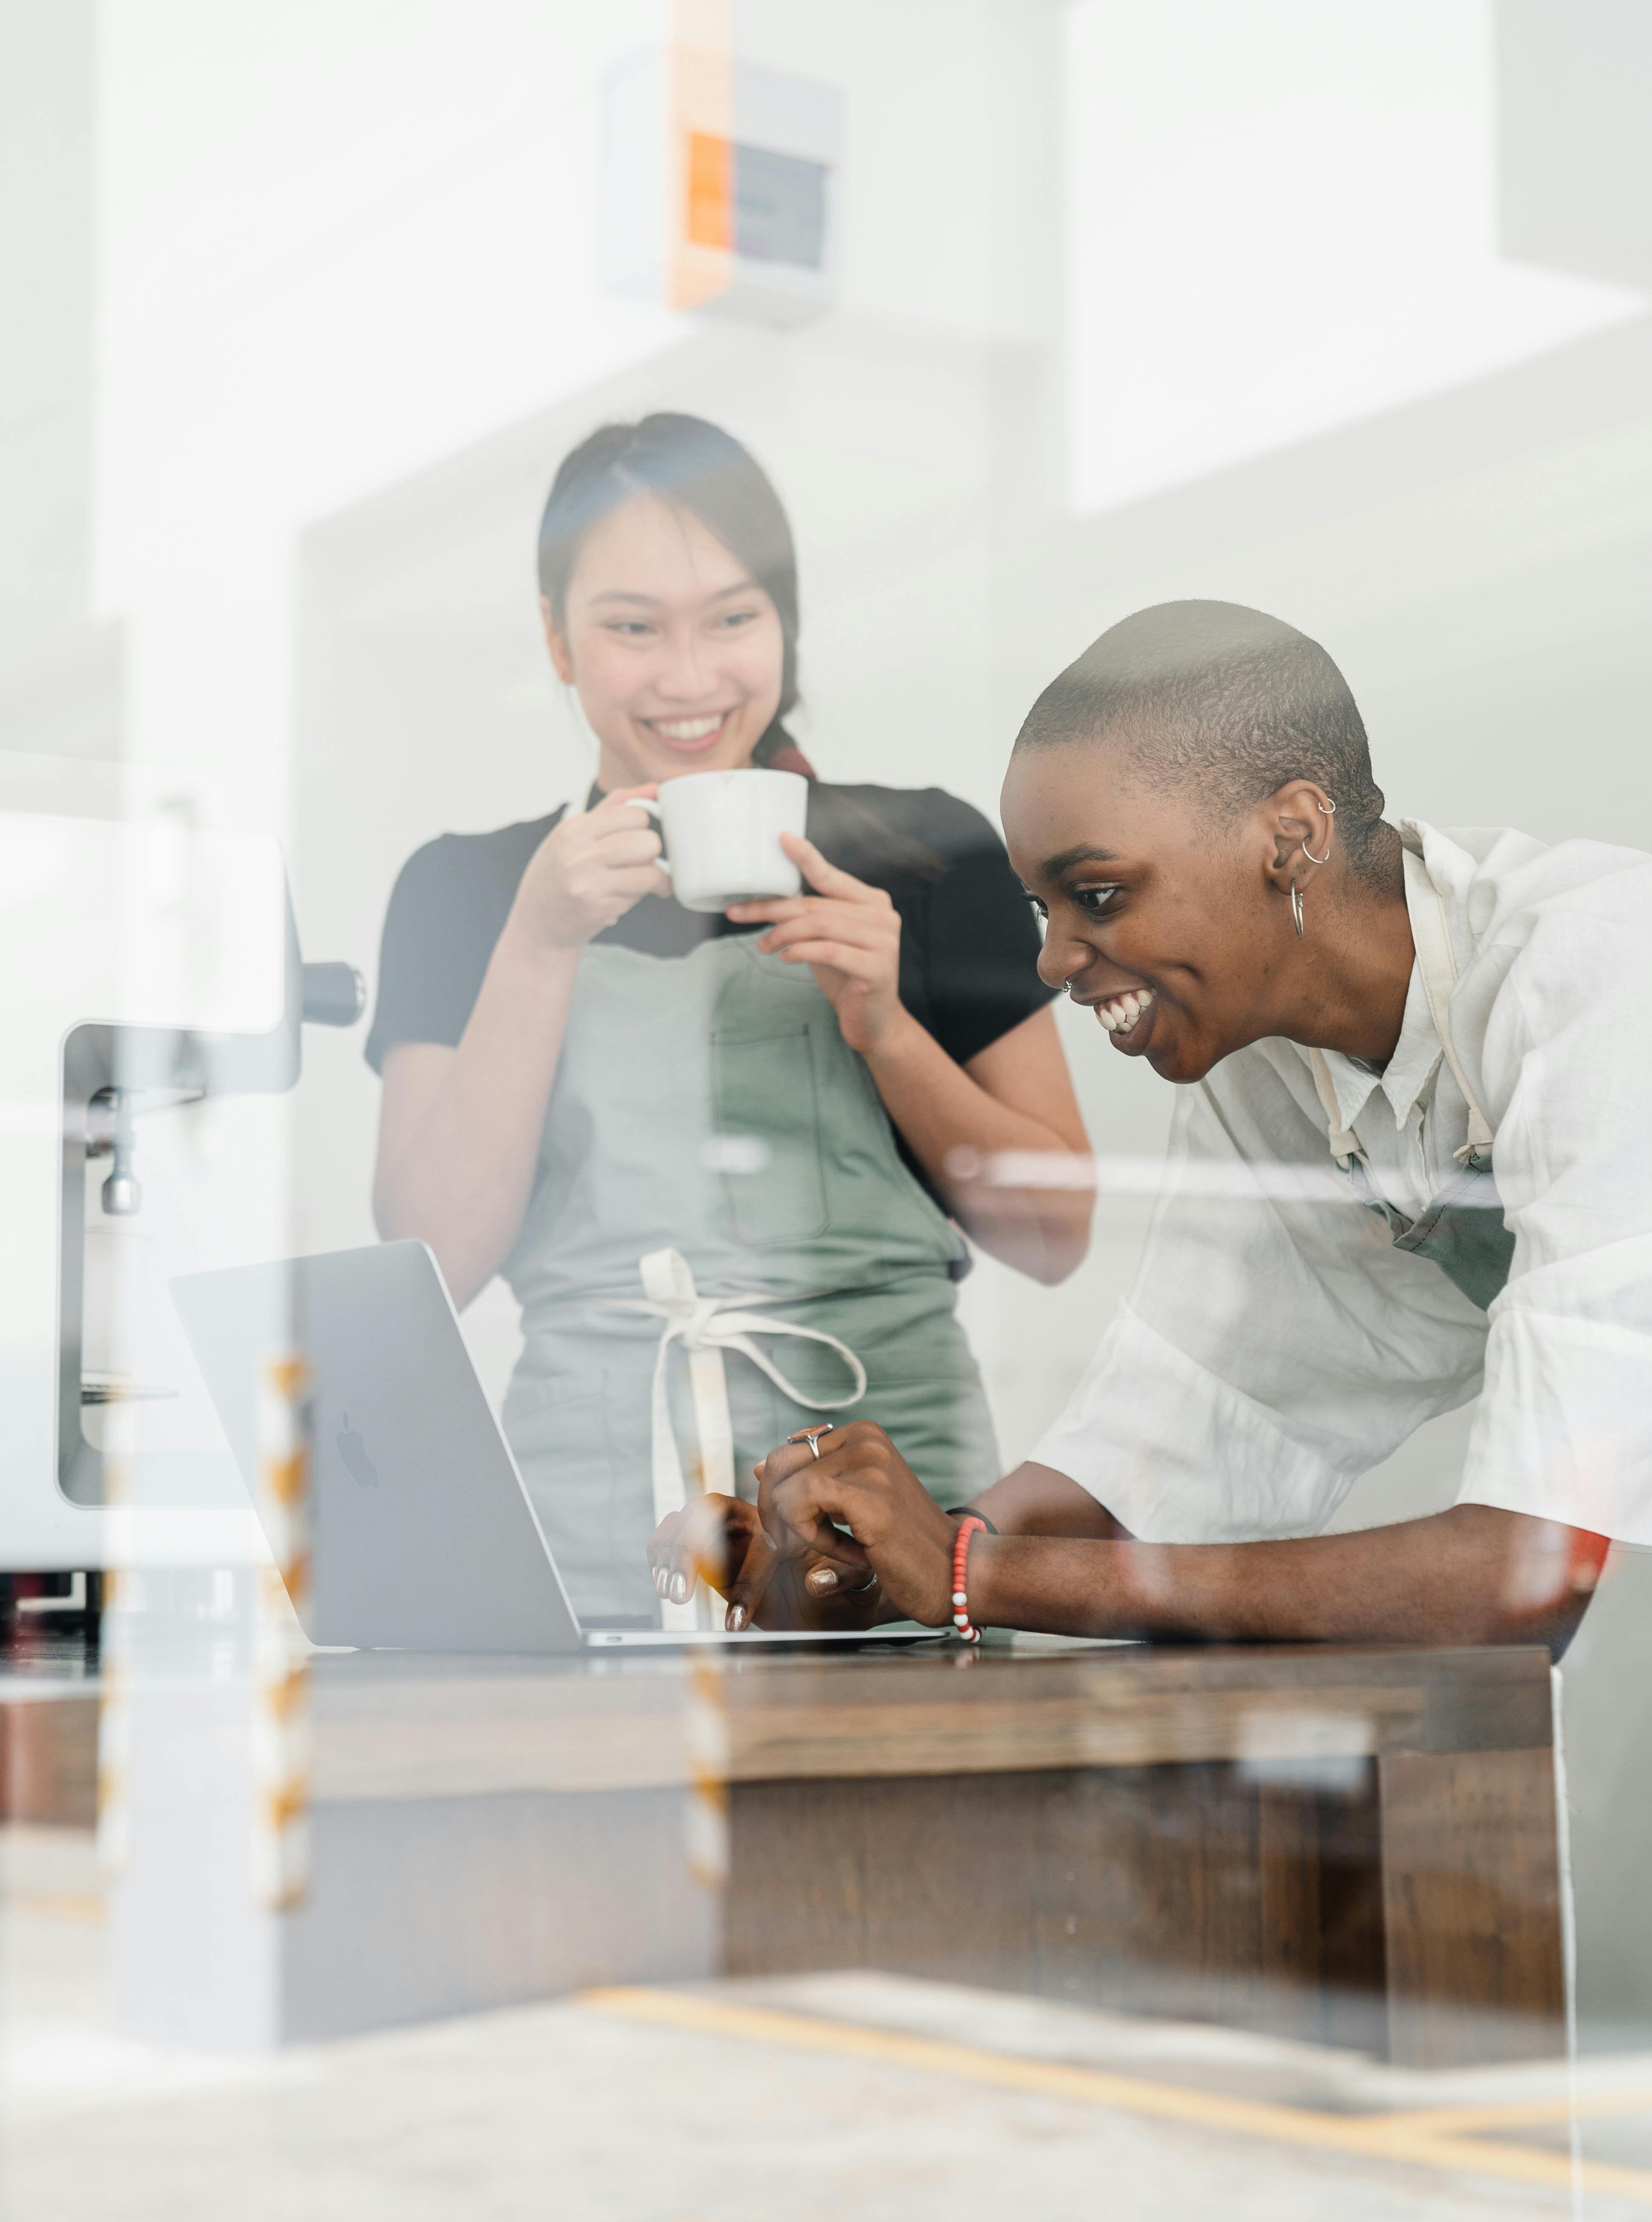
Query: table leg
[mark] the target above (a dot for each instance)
(1472, 1907)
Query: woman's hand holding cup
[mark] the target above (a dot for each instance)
(589, 871)
(848, 933)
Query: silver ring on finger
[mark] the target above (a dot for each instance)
(811, 1436)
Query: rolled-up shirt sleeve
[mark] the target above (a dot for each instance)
(1564, 1430)
(1274, 1345)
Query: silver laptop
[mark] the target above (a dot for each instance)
(424, 1537)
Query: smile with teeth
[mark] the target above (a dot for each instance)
(688, 729)
(1120, 1012)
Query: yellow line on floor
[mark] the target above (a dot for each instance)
(58, 1905)
(1516, 2114)
(1408, 2138)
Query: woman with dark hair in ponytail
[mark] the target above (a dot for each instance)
(757, 1134)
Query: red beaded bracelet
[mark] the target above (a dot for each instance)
(966, 1528)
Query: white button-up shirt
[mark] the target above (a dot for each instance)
(1276, 1345)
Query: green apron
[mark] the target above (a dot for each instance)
(1461, 1229)
(722, 1246)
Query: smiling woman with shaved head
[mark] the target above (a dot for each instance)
(1408, 1167)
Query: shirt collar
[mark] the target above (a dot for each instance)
(1407, 1072)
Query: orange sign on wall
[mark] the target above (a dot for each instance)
(711, 190)
(700, 171)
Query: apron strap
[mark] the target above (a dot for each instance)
(1344, 1143)
(1438, 966)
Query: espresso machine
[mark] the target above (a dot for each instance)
(150, 970)
(114, 1078)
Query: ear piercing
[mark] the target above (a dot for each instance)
(1325, 810)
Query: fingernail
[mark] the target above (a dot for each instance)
(736, 1620)
(659, 1581)
(680, 1589)
(823, 1577)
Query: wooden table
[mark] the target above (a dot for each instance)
(1357, 1847)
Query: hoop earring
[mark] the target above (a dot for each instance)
(1296, 908)
(1325, 811)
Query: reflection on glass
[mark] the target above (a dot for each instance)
(1038, 317)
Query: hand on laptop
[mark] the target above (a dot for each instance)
(766, 1582)
(860, 1483)
(786, 1562)
(722, 1541)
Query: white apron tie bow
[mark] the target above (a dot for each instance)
(706, 1326)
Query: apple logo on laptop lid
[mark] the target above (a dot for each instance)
(352, 1449)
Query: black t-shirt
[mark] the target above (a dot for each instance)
(969, 944)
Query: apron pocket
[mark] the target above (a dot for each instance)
(767, 1084)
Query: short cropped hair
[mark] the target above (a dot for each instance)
(1228, 704)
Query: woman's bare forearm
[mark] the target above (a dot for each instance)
(456, 1169)
(1474, 1574)
(940, 1110)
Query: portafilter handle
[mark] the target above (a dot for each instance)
(335, 994)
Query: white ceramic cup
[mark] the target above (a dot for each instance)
(722, 833)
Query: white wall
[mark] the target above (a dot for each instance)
(45, 219)
(1285, 218)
